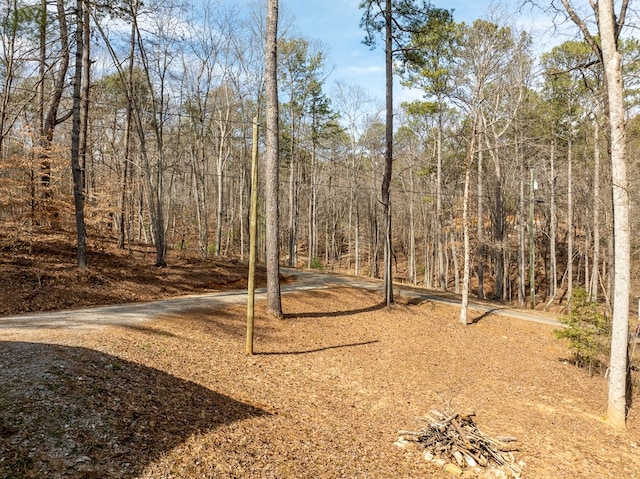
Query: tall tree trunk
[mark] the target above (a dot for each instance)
(480, 226)
(274, 304)
(413, 276)
(50, 118)
(532, 241)
(593, 288)
(357, 242)
(442, 280)
(221, 161)
(87, 168)
(45, 166)
(153, 176)
(553, 236)
(374, 239)
(313, 208)
(498, 231)
(570, 218)
(466, 275)
(454, 256)
(388, 165)
(84, 104)
(127, 137)
(521, 239)
(292, 194)
(609, 27)
(617, 401)
(12, 25)
(77, 133)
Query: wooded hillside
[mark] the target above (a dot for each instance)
(159, 126)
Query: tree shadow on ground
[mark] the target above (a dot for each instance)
(316, 350)
(78, 413)
(486, 314)
(229, 321)
(335, 314)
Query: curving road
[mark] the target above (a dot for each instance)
(314, 280)
(300, 280)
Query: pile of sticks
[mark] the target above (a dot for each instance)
(455, 438)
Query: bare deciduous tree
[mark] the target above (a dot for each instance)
(609, 28)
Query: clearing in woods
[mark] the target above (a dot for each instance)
(174, 395)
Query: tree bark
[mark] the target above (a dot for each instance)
(480, 226)
(466, 275)
(521, 235)
(274, 305)
(127, 137)
(76, 136)
(442, 279)
(50, 119)
(570, 215)
(617, 400)
(553, 236)
(11, 32)
(593, 287)
(609, 29)
(388, 165)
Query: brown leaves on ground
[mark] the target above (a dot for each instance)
(324, 397)
(40, 274)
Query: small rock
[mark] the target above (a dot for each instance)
(428, 456)
(82, 459)
(453, 469)
(401, 443)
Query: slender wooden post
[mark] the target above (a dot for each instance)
(253, 228)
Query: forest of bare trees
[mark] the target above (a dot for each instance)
(145, 110)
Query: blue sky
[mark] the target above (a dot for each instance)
(335, 23)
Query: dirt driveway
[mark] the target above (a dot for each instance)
(297, 280)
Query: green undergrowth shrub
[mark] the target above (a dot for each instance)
(316, 263)
(588, 332)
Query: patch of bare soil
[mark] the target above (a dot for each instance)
(41, 274)
(324, 397)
